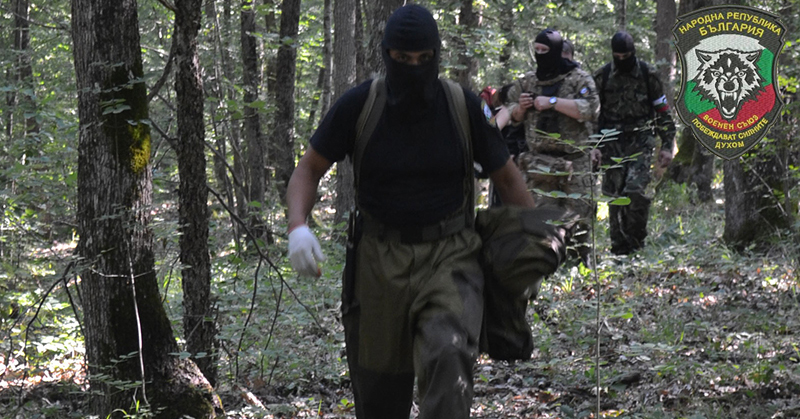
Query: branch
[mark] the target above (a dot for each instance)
(265, 258)
(169, 6)
(167, 70)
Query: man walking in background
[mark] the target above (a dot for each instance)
(632, 102)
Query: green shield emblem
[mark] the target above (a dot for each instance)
(729, 86)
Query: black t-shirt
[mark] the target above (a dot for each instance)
(412, 170)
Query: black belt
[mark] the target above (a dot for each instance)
(411, 235)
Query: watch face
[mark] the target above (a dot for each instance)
(553, 99)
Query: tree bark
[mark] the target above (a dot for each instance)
(324, 81)
(621, 15)
(283, 130)
(344, 77)
(22, 73)
(754, 186)
(128, 338)
(468, 65)
(377, 13)
(507, 28)
(198, 324)
(254, 141)
(666, 14)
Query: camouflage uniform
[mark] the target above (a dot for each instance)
(566, 155)
(636, 106)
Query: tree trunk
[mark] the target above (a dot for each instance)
(283, 131)
(324, 81)
(198, 325)
(665, 56)
(20, 99)
(253, 139)
(622, 16)
(362, 73)
(507, 28)
(344, 77)
(377, 13)
(128, 338)
(468, 65)
(755, 185)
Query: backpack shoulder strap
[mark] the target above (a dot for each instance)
(367, 121)
(458, 110)
(460, 116)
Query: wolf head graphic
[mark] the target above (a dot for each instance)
(728, 78)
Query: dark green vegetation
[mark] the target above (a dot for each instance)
(691, 327)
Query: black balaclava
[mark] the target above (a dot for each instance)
(411, 28)
(548, 65)
(622, 42)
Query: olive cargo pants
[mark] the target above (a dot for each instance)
(414, 310)
(628, 223)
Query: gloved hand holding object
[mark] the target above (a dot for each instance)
(305, 251)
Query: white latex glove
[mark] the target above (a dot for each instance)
(304, 251)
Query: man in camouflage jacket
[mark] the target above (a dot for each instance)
(633, 103)
(558, 104)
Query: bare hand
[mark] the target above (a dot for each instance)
(525, 101)
(542, 103)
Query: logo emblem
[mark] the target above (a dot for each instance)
(729, 85)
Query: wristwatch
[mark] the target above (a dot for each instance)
(553, 101)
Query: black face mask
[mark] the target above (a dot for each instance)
(626, 65)
(411, 84)
(411, 28)
(549, 65)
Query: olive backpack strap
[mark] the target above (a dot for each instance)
(460, 116)
(368, 121)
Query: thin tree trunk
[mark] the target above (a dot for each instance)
(254, 141)
(621, 15)
(468, 22)
(198, 325)
(361, 70)
(282, 139)
(507, 28)
(24, 76)
(344, 76)
(128, 338)
(666, 14)
(324, 80)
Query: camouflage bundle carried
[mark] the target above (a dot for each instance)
(521, 246)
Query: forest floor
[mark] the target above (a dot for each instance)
(687, 328)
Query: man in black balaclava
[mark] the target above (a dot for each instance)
(411, 29)
(558, 103)
(549, 64)
(623, 51)
(634, 105)
(412, 302)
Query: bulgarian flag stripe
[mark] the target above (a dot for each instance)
(661, 104)
(752, 111)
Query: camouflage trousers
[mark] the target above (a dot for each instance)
(566, 183)
(628, 223)
(415, 311)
